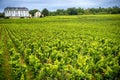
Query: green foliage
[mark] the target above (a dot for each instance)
(85, 47)
(1, 15)
(45, 12)
(80, 11)
(72, 11)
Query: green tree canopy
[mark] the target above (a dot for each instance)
(72, 11)
(1, 14)
(45, 12)
(60, 12)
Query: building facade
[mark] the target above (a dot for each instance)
(38, 14)
(16, 12)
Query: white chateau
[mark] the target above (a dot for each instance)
(16, 12)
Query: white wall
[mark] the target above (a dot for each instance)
(16, 13)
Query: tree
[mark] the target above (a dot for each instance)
(72, 11)
(45, 12)
(32, 12)
(109, 10)
(93, 11)
(53, 13)
(60, 12)
(115, 10)
(1, 15)
(80, 11)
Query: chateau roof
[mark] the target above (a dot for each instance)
(16, 8)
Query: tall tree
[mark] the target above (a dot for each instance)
(72, 11)
(1, 15)
(80, 10)
(45, 12)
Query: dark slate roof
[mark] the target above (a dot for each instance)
(16, 8)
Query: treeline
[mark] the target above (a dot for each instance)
(76, 11)
(81, 11)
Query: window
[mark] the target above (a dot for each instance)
(6, 11)
(16, 11)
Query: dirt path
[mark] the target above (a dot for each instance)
(6, 58)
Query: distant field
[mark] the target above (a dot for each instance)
(84, 47)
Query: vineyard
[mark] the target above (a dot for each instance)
(83, 47)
